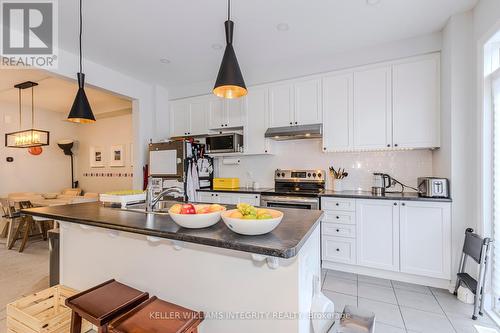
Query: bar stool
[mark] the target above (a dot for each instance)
(103, 303)
(156, 315)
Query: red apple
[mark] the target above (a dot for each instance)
(188, 209)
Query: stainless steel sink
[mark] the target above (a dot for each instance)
(161, 208)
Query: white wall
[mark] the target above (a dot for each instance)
(48, 172)
(405, 166)
(456, 159)
(104, 133)
(145, 103)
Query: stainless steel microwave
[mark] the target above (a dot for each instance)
(224, 143)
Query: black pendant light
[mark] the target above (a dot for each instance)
(230, 83)
(81, 112)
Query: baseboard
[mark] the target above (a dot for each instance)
(397, 276)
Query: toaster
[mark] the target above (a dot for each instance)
(433, 187)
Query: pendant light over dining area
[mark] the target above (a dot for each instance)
(32, 137)
(230, 83)
(81, 111)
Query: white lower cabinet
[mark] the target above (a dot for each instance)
(425, 236)
(410, 237)
(338, 249)
(229, 198)
(377, 234)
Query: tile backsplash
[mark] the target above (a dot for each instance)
(404, 165)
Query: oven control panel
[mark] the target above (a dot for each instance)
(300, 175)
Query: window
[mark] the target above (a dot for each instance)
(495, 87)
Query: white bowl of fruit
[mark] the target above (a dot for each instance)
(248, 220)
(196, 216)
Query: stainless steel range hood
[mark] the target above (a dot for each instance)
(295, 132)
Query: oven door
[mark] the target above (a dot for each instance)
(289, 202)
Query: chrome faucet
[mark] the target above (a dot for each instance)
(152, 200)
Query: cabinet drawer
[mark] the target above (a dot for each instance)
(338, 249)
(339, 217)
(348, 205)
(338, 230)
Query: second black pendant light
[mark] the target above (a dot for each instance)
(230, 83)
(81, 112)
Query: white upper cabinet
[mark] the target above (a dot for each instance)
(338, 112)
(179, 118)
(257, 113)
(372, 108)
(217, 113)
(377, 234)
(295, 103)
(235, 109)
(226, 113)
(199, 115)
(281, 109)
(189, 117)
(307, 95)
(416, 102)
(426, 239)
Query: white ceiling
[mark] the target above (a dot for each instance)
(132, 36)
(54, 94)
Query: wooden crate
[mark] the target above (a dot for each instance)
(42, 312)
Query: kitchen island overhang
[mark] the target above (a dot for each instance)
(244, 283)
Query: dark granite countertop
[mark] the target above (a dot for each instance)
(388, 196)
(237, 190)
(342, 194)
(285, 241)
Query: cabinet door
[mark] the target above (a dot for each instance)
(416, 103)
(179, 118)
(227, 198)
(377, 231)
(217, 114)
(426, 239)
(256, 122)
(337, 113)
(207, 197)
(252, 199)
(199, 116)
(235, 112)
(281, 105)
(307, 102)
(372, 108)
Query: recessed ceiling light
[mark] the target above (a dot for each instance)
(283, 27)
(164, 61)
(372, 2)
(217, 47)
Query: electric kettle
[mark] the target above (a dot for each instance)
(381, 181)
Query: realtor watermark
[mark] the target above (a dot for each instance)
(29, 36)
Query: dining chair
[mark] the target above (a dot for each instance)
(10, 214)
(27, 227)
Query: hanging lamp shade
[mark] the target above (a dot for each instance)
(81, 112)
(230, 83)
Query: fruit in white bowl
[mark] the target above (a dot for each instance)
(196, 216)
(248, 220)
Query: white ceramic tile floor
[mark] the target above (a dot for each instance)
(402, 307)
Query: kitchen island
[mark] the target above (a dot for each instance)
(243, 283)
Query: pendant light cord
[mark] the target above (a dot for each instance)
(32, 107)
(80, 37)
(229, 10)
(20, 111)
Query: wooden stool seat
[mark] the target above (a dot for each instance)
(103, 303)
(157, 316)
